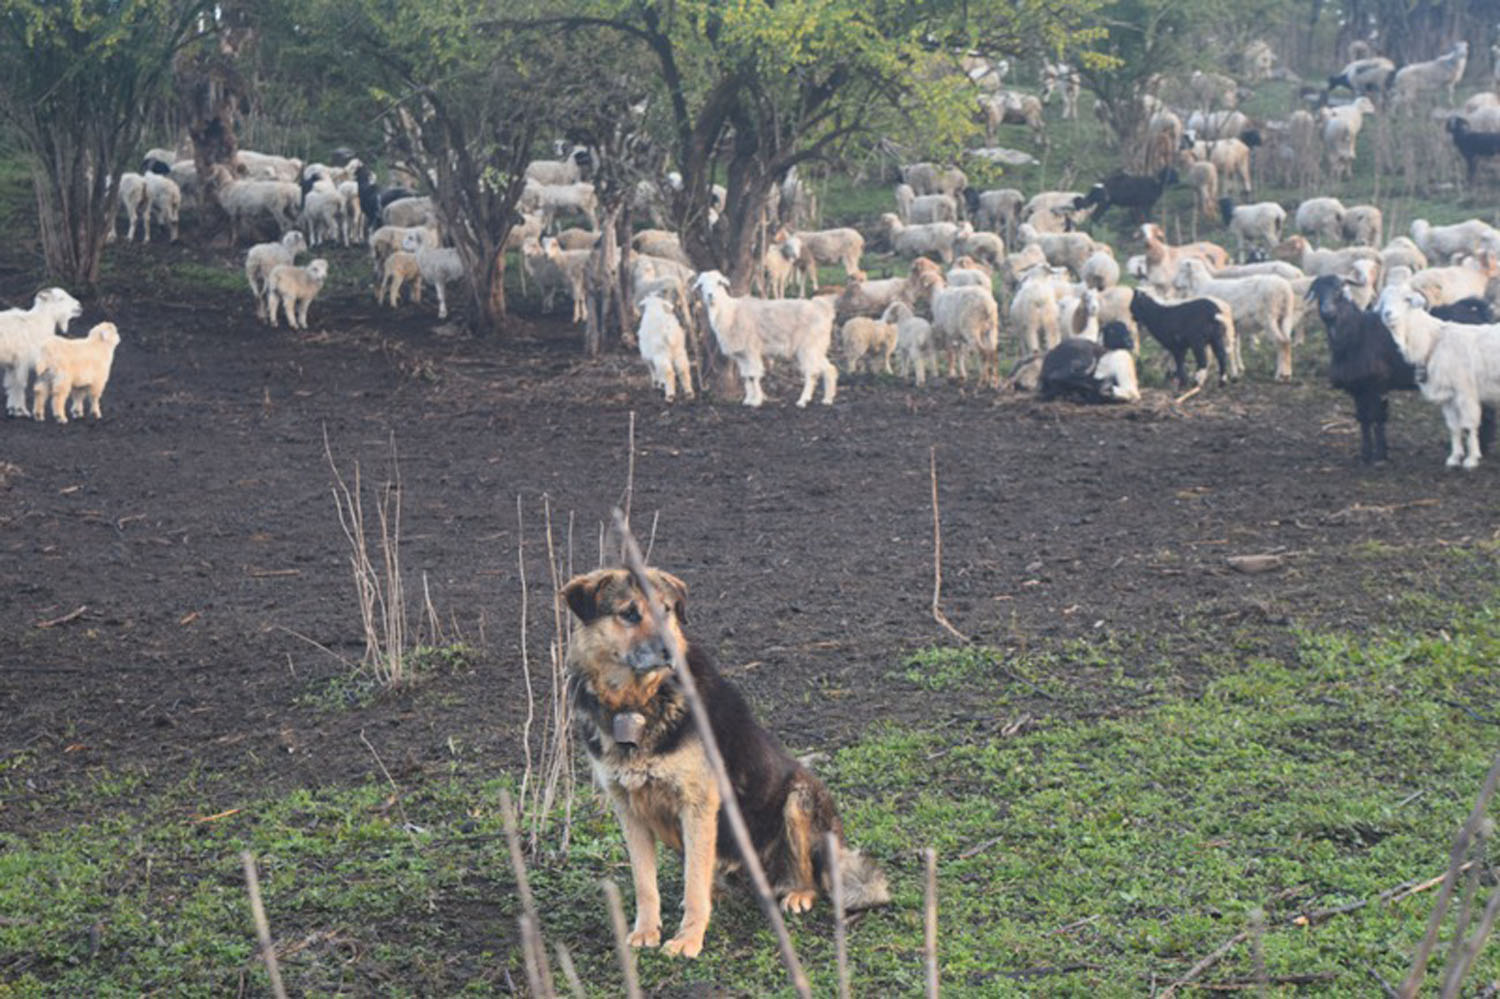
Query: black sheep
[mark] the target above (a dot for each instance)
(1469, 311)
(1197, 325)
(1127, 190)
(1472, 146)
(369, 195)
(1070, 370)
(1365, 362)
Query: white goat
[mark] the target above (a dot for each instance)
(749, 329)
(292, 289)
(1420, 79)
(22, 332)
(663, 346)
(830, 246)
(75, 371)
(263, 258)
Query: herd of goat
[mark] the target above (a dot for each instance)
(1412, 313)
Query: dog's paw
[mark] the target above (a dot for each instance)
(687, 944)
(798, 901)
(645, 938)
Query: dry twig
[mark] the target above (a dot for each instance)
(262, 924)
(937, 554)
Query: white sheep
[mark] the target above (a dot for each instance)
(663, 346)
(1011, 107)
(749, 329)
(913, 340)
(75, 371)
(355, 223)
(1402, 251)
(930, 208)
(134, 202)
(1254, 225)
(555, 172)
(935, 238)
(550, 199)
(1446, 242)
(1203, 177)
(1341, 128)
(1000, 212)
(163, 205)
(966, 319)
(323, 216)
(390, 238)
(22, 332)
(778, 266)
(1053, 211)
(1459, 366)
(841, 246)
(1446, 285)
(408, 213)
(1420, 79)
(441, 266)
(262, 258)
(399, 270)
(1322, 219)
(929, 178)
(1034, 311)
(292, 289)
(247, 200)
(653, 242)
(1101, 270)
(862, 336)
(1363, 225)
(1062, 249)
(265, 166)
(985, 246)
(863, 297)
(1260, 304)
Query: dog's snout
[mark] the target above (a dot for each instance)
(648, 654)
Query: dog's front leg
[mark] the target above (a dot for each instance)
(700, 836)
(640, 846)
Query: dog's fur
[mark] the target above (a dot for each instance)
(621, 687)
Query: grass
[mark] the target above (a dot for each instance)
(1087, 858)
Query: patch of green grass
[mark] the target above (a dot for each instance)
(361, 686)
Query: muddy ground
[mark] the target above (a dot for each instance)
(175, 588)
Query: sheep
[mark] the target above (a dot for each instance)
(1203, 178)
(440, 266)
(1062, 249)
(1230, 157)
(292, 289)
(1052, 211)
(1367, 76)
(1100, 271)
(1034, 311)
(354, 215)
(1313, 261)
(1257, 61)
(76, 371)
(1402, 251)
(654, 242)
(1060, 78)
(22, 332)
(134, 202)
(1458, 367)
(163, 205)
(1362, 225)
(984, 246)
(563, 171)
(929, 178)
(574, 238)
(1088, 371)
(1010, 107)
(830, 246)
(968, 271)
(549, 199)
(1078, 315)
(929, 208)
(1279, 268)
(323, 216)
(1419, 79)
(964, 319)
(915, 240)
(1322, 219)
(1162, 259)
(863, 297)
(778, 265)
(1253, 225)
(246, 200)
(1197, 325)
(264, 166)
(1446, 242)
(263, 258)
(1139, 194)
(998, 211)
(389, 238)
(1222, 124)
(1473, 146)
(1265, 303)
(1340, 130)
(1470, 279)
(663, 345)
(399, 270)
(408, 213)
(1163, 139)
(863, 335)
(913, 339)
(747, 329)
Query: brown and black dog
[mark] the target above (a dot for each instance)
(645, 752)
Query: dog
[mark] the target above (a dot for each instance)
(644, 749)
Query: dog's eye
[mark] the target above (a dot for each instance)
(630, 615)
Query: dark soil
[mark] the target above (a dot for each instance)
(166, 575)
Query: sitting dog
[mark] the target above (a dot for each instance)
(645, 753)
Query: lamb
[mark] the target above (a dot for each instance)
(247, 200)
(1253, 225)
(747, 329)
(1139, 194)
(1472, 146)
(663, 346)
(1369, 76)
(1444, 285)
(863, 335)
(1362, 225)
(926, 208)
(354, 214)
(1034, 311)
(1203, 178)
(831, 246)
(1322, 219)
(1092, 372)
(441, 266)
(1196, 325)
(1419, 79)
(389, 238)
(1446, 242)
(935, 238)
(400, 270)
(913, 339)
(76, 371)
(1261, 304)
(163, 205)
(293, 288)
(134, 202)
(264, 258)
(1458, 367)
(22, 332)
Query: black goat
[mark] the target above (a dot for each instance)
(1469, 311)
(1127, 190)
(1072, 369)
(369, 195)
(1197, 325)
(1472, 146)
(1365, 362)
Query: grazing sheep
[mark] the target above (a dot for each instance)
(663, 346)
(1444, 285)
(863, 297)
(1088, 371)
(263, 258)
(1322, 219)
(400, 270)
(936, 238)
(1420, 79)
(1053, 211)
(913, 340)
(1458, 367)
(998, 211)
(1197, 325)
(76, 371)
(830, 246)
(1203, 178)
(748, 329)
(1257, 225)
(409, 213)
(1447, 242)
(22, 332)
(982, 246)
(863, 336)
(1366, 77)
(293, 288)
(1230, 157)
(1265, 303)
(1362, 225)
(246, 201)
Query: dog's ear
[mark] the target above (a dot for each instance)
(582, 594)
(673, 592)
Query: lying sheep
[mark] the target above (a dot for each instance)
(76, 371)
(862, 336)
(663, 346)
(293, 288)
(22, 332)
(399, 270)
(913, 340)
(748, 329)
(265, 257)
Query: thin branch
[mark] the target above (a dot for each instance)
(937, 554)
(262, 925)
(622, 944)
(930, 922)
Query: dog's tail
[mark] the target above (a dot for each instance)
(864, 883)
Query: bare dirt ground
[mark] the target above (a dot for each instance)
(163, 573)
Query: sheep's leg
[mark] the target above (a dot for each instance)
(830, 382)
(751, 371)
(39, 399)
(1284, 360)
(684, 371)
(61, 389)
(15, 390)
(1455, 436)
(668, 378)
(810, 368)
(442, 294)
